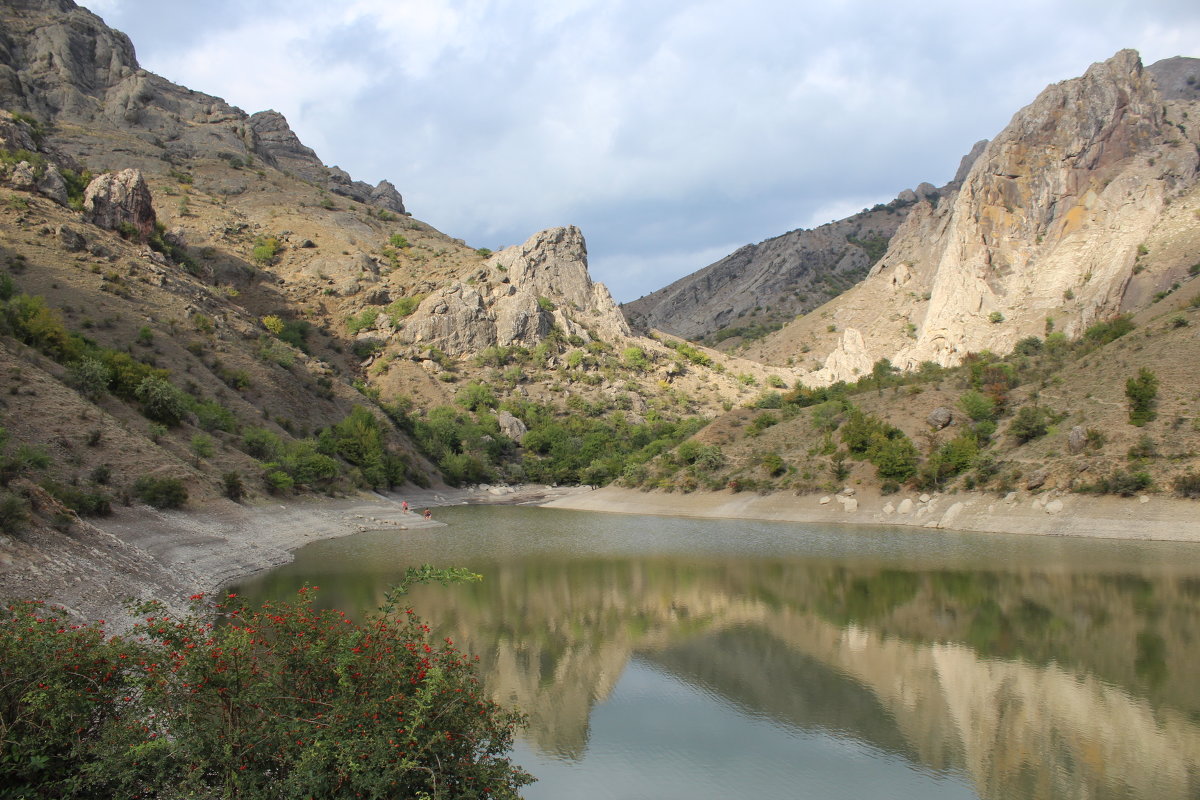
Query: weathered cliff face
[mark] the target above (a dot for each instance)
(1058, 218)
(62, 64)
(517, 297)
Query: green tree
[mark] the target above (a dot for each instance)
(162, 400)
(1031, 422)
(1142, 393)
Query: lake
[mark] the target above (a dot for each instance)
(678, 658)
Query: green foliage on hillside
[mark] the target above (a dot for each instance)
(183, 707)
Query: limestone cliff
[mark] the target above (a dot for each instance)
(516, 298)
(1074, 212)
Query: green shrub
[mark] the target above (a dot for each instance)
(635, 358)
(266, 248)
(1187, 485)
(977, 406)
(14, 513)
(232, 486)
(278, 481)
(361, 322)
(212, 416)
(202, 446)
(403, 307)
(1109, 330)
(545, 304)
(1121, 482)
(475, 396)
(162, 400)
(1141, 393)
(1031, 422)
(160, 492)
(774, 464)
(81, 501)
(370, 709)
(895, 459)
(90, 377)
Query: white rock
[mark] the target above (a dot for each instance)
(850, 505)
(1054, 506)
(924, 498)
(1143, 499)
(889, 509)
(906, 506)
(824, 500)
(1011, 497)
(951, 514)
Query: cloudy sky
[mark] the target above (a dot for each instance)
(670, 131)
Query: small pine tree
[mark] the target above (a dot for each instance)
(1142, 392)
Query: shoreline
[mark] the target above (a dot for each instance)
(95, 565)
(1144, 518)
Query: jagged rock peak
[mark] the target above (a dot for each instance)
(47, 65)
(1049, 223)
(968, 161)
(519, 295)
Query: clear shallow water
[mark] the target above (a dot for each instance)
(662, 657)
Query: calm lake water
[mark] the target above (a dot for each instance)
(672, 658)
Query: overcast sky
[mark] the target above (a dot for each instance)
(671, 132)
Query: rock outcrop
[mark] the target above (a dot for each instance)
(517, 297)
(115, 200)
(60, 62)
(1050, 222)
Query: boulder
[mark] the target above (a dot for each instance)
(511, 426)
(1037, 480)
(939, 418)
(1077, 440)
(52, 185)
(116, 199)
(22, 177)
(15, 134)
(72, 240)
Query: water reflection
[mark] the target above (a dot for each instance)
(1035, 670)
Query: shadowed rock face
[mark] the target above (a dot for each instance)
(61, 63)
(787, 275)
(517, 297)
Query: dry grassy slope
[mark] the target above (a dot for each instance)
(335, 263)
(1090, 391)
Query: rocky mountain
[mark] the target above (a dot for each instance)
(1082, 208)
(761, 287)
(61, 63)
(214, 304)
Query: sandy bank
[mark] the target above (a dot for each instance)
(94, 566)
(1149, 517)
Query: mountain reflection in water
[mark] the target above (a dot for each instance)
(1033, 669)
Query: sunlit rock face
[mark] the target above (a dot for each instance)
(1052, 221)
(517, 298)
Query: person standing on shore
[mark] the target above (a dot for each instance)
(404, 507)
(428, 514)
